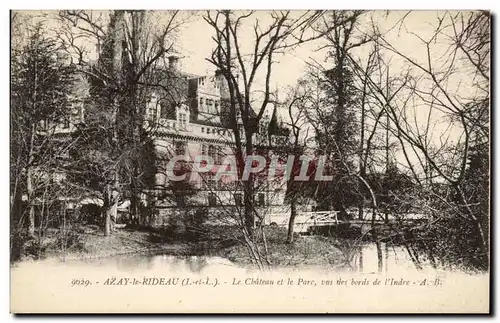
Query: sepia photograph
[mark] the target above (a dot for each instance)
(250, 161)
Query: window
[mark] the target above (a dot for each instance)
(212, 152)
(216, 107)
(77, 114)
(180, 200)
(238, 199)
(167, 110)
(212, 183)
(202, 130)
(182, 120)
(210, 106)
(180, 148)
(212, 199)
(151, 111)
(261, 199)
(209, 182)
(202, 104)
(65, 122)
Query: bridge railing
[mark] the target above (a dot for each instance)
(312, 218)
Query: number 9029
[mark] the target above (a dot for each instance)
(80, 282)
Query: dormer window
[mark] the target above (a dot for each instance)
(182, 120)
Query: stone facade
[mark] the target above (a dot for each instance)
(192, 124)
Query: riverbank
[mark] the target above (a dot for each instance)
(88, 242)
(305, 251)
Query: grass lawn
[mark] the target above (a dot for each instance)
(86, 242)
(306, 251)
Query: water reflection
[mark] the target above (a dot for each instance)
(354, 256)
(167, 263)
(386, 257)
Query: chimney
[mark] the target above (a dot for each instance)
(222, 84)
(173, 62)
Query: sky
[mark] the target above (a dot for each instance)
(406, 37)
(196, 41)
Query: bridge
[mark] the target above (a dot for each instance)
(303, 220)
(307, 221)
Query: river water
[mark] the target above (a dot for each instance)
(391, 259)
(170, 283)
(362, 259)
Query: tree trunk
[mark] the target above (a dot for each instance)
(360, 209)
(361, 200)
(29, 184)
(110, 209)
(361, 259)
(483, 239)
(380, 259)
(135, 198)
(373, 228)
(107, 211)
(31, 207)
(114, 203)
(361, 155)
(134, 203)
(291, 222)
(17, 207)
(249, 193)
(249, 207)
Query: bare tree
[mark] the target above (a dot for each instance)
(448, 83)
(41, 82)
(130, 48)
(282, 30)
(296, 104)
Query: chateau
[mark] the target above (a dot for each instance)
(188, 116)
(191, 121)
